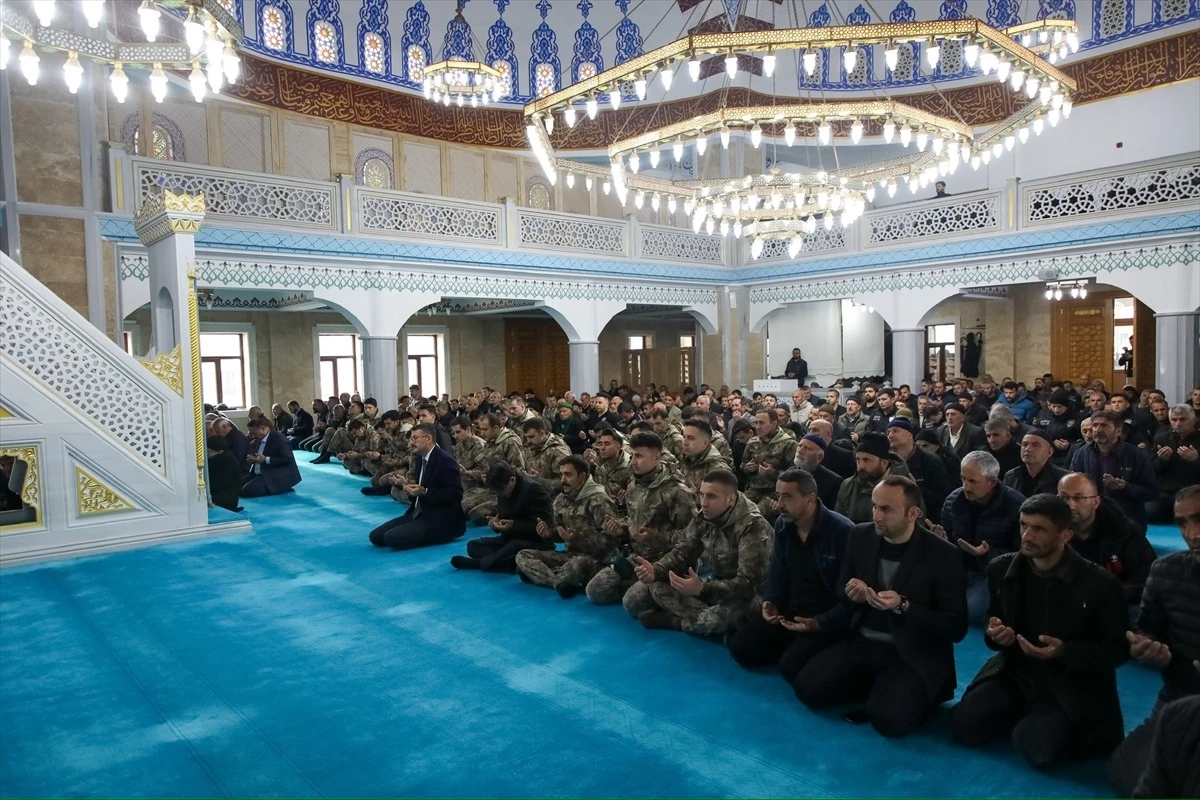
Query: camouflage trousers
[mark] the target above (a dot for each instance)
(336, 440)
(607, 587)
(551, 567)
(356, 465)
(695, 616)
(479, 504)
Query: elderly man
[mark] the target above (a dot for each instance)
(1176, 459)
(958, 436)
(1037, 474)
(982, 518)
(734, 541)
(928, 471)
(802, 408)
(1102, 536)
(838, 459)
(1123, 472)
(1001, 444)
(810, 453)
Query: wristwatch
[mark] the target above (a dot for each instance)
(903, 607)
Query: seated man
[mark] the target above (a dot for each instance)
(580, 508)
(810, 457)
(1101, 535)
(302, 424)
(1002, 445)
(903, 599)
(731, 544)
(1059, 626)
(362, 441)
(981, 517)
(927, 471)
(224, 475)
(1037, 474)
(660, 421)
(875, 461)
(1123, 472)
(544, 451)
(700, 456)
(272, 468)
(801, 588)
(1166, 637)
(1176, 459)
(521, 503)
(436, 515)
(958, 435)
(499, 443)
(659, 508)
(769, 453)
(391, 457)
(612, 465)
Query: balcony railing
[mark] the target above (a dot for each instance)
(342, 207)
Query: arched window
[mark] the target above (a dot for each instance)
(538, 194)
(373, 53)
(373, 168)
(415, 58)
(326, 43)
(166, 139)
(506, 78)
(415, 43)
(273, 27)
(586, 70)
(543, 79)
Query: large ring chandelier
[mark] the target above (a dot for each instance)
(207, 52)
(791, 205)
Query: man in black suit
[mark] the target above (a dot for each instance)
(236, 442)
(272, 468)
(520, 504)
(1059, 625)
(904, 605)
(959, 436)
(436, 515)
(302, 424)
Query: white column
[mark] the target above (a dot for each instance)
(379, 370)
(908, 356)
(1176, 354)
(585, 367)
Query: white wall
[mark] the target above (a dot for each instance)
(862, 341)
(833, 338)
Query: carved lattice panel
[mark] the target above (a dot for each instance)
(466, 174)
(245, 141)
(422, 168)
(939, 220)
(192, 119)
(242, 197)
(1133, 191)
(306, 150)
(571, 233)
(428, 218)
(815, 242)
(673, 245)
(81, 374)
(1090, 345)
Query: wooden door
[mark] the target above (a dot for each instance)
(1081, 338)
(536, 356)
(635, 369)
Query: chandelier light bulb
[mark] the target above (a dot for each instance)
(1066, 108)
(718, 207)
(1058, 293)
(724, 137)
(922, 139)
(1003, 68)
(1082, 292)
(971, 54)
(737, 229)
(906, 135)
(1073, 41)
(795, 245)
(1056, 101)
(1023, 134)
(1052, 116)
(1053, 57)
(965, 152)
(913, 185)
(29, 63)
(835, 201)
(975, 161)
(756, 135)
(93, 12)
(119, 82)
(710, 225)
(193, 32)
(475, 100)
(810, 62)
(998, 149)
(694, 69)
(216, 76)
(1038, 126)
(672, 203)
(849, 59)
(198, 82)
(768, 64)
(606, 187)
(428, 89)
(614, 99)
(724, 227)
(1017, 79)
(701, 144)
(590, 106)
(639, 88)
(1031, 87)
(856, 131)
(150, 17)
(822, 198)
(776, 200)
(891, 57)
(1075, 292)
(891, 188)
(938, 143)
(569, 116)
(588, 183)
(548, 120)
(666, 76)
(158, 83)
(677, 150)
(952, 149)
(570, 179)
(943, 168)
(825, 132)
(986, 157)
(1046, 94)
(696, 223)
(735, 204)
(889, 131)
(1049, 293)
(756, 247)
(639, 198)
(731, 64)
(828, 222)
(933, 54)
(459, 100)
(445, 98)
(233, 66)
(789, 133)
(44, 10)
(655, 202)
(923, 180)
(654, 158)
(635, 162)
(1010, 141)
(73, 72)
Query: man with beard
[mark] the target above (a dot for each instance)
(770, 452)
(1176, 458)
(801, 587)
(730, 542)
(1060, 422)
(698, 456)
(1036, 474)
(1059, 627)
(853, 421)
(874, 461)
(839, 460)
(1122, 471)
(580, 509)
(810, 453)
(1001, 445)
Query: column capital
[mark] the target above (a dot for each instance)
(167, 214)
(1158, 314)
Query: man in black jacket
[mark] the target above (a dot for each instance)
(1166, 637)
(802, 584)
(271, 467)
(903, 595)
(810, 453)
(837, 459)
(1060, 422)
(1037, 474)
(797, 368)
(436, 515)
(1176, 454)
(522, 501)
(928, 471)
(959, 436)
(302, 424)
(1059, 626)
(1102, 536)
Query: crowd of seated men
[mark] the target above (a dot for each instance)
(849, 540)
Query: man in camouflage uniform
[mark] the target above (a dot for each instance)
(659, 508)
(642, 426)
(339, 440)
(363, 441)
(579, 511)
(543, 452)
(769, 453)
(729, 542)
(379, 463)
(700, 457)
(519, 412)
(612, 465)
(499, 443)
(672, 440)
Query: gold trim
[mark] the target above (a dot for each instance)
(31, 491)
(93, 497)
(6, 414)
(167, 367)
(120, 184)
(197, 398)
(188, 203)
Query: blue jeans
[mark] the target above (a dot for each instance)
(977, 598)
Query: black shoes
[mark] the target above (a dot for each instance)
(321, 459)
(463, 562)
(660, 620)
(375, 491)
(566, 590)
(622, 567)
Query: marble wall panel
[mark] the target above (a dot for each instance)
(46, 144)
(52, 251)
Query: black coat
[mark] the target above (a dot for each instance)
(840, 460)
(1174, 769)
(280, 473)
(1086, 610)
(798, 369)
(931, 576)
(441, 505)
(528, 502)
(1168, 614)
(970, 438)
(1124, 550)
(829, 483)
(930, 474)
(1047, 480)
(237, 444)
(302, 424)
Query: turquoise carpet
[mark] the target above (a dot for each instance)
(300, 661)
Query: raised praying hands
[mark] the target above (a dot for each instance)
(689, 586)
(972, 549)
(1148, 652)
(1052, 648)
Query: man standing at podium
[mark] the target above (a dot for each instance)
(796, 368)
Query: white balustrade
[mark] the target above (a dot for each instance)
(942, 218)
(674, 244)
(425, 216)
(1154, 188)
(560, 231)
(820, 241)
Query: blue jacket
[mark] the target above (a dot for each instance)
(998, 524)
(1023, 408)
(1141, 484)
(830, 534)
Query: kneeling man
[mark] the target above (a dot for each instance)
(272, 468)
(521, 503)
(435, 515)
(730, 542)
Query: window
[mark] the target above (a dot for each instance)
(586, 70)
(373, 53)
(539, 196)
(274, 32)
(506, 82)
(161, 145)
(686, 341)
(416, 63)
(376, 174)
(425, 362)
(338, 355)
(639, 341)
(939, 334)
(127, 342)
(223, 374)
(543, 77)
(326, 40)
(686, 357)
(1122, 328)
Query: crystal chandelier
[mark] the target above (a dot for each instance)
(460, 79)
(207, 50)
(790, 206)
